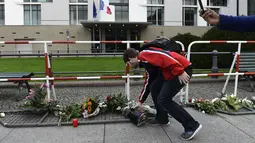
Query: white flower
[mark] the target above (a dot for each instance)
(215, 99)
(203, 111)
(57, 106)
(245, 100)
(232, 96)
(193, 100)
(100, 104)
(2, 115)
(224, 98)
(27, 102)
(119, 108)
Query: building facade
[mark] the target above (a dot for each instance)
(106, 20)
(159, 12)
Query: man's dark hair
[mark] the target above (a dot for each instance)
(129, 53)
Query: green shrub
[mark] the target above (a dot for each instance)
(224, 61)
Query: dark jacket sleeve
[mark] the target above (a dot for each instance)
(237, 23)
(149, 77)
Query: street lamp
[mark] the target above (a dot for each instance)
(67, 38)
(162, 33)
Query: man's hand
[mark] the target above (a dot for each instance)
(210, 16)
(184, 78)
(140, 106)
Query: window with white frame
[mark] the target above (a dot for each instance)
(189, 16)
(217, 2)
(32, 14)
(189, 12)
(121, 10)
(78, 1)
(2, 13)
(251, 7)
(37, 0)
(78, 11)
(189, 2)
(155, 14)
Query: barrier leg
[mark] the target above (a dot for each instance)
(128, 78)
(237, 68)
(230, 71)
(46, 56)
(51, 81)
(181, 95)
(186, 94)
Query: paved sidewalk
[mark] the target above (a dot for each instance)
(216, 129)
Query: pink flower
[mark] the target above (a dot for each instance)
(29, 96)
(44, 85)
(108, 98)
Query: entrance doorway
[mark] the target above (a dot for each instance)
(116, 35)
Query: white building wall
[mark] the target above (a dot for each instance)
(243, 7)
(230, 9)
(137, 11)
(56, 13)
(173, 13)
(14, 12)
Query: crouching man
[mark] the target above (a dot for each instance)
(166, 74)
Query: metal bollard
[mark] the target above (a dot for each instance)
(215, 68)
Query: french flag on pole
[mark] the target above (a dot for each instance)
(94, 10)
(104, 6)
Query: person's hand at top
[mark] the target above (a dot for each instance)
(210, 16)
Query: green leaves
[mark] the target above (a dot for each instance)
(205, 106)
(229, 103)
(233, 103)
(116, 102)
(69, 112)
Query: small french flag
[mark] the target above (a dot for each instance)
(105, 4)
(109, 11)
(94, 10)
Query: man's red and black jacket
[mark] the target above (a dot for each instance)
(157, 61)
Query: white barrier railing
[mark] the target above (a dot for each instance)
(235, 60)
(50, 79)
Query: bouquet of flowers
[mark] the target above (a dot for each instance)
(91, 107)
(232, 101)
(69, 112)
(115, 103)
(36, 101)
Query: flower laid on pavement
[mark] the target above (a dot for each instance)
(229, 103)
(2, 115)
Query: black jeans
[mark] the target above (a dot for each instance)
(162, 92)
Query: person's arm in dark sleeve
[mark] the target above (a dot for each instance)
(237, 23)
(146, 88)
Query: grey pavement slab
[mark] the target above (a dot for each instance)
(215, 130)
(64, 134)
(245, 123)
(4, 132)
(129, 133)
